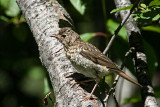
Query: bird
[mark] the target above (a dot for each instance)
(87, 59)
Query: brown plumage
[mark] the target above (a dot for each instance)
(86, 58)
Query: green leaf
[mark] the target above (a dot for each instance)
(36, 72)
(119, 9)
(46, 86)
(151, 58)
(154, 3)
(11, 7)
(143, 5)
(4, 18)
(112, 25)
(152, 28)
(134, 99)
(51, 0)
(156, 17)
(78, 6)
(4, 3)
(147, 15)
(87, 36)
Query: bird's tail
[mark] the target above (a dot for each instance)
(122, 74)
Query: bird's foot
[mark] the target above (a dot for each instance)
(84, 82)
(75, 84)
(90, 97)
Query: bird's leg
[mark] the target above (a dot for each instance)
(90, 96)
(112, 90)
(88, 80)
(83, 82)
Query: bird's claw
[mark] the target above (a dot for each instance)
(90, 98)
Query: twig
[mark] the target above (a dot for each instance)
(48, 96)
(119, 27)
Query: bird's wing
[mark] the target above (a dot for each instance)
(92, 53)
(98, 57)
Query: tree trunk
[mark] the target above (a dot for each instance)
(43, 18)
(139, 57)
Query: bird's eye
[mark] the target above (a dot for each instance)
(63, 36)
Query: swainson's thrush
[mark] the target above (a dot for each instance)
(87, 59)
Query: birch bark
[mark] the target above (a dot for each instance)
(43, 18)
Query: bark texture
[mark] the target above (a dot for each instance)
(139, 57)
(43, 18)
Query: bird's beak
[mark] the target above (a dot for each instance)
(56, 36)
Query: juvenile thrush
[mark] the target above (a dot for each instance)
(87, 59)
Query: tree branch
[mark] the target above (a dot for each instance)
(43, 18)
(119, 27)
(139, 57)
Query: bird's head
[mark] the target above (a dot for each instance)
(67, 36)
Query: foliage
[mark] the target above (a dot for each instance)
(123, 8)
(147, 14)
(152, 28)
(79, 6)
(144, 14)
(10, 7)
(87, 36)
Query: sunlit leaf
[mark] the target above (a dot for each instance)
(154, 3)
(4, 3)
(79, 6)
(152, 28)
(11, 7)
(111, 27)
(46, 86)
(156, 17)
(4, 18)
(51, 0)
(87, 36)
(119, 9)
(147, 15)
(108, 79)
(143, 5)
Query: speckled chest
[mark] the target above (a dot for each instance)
(84, 65)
